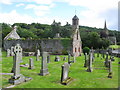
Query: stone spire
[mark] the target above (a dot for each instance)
(105, 28)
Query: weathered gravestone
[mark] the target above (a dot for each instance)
(106, 60)
(74, 59)
(98, 52)
(90, 69)
(8, 52)
(48, 59)
(86, 60)
(64, 58)
(69, 56)
(31, 64)
(57, 58)
(110, 69)
(19, 55)
(17, 78)
(112, 58)
(38, 55)
(44, 68)
(65, 79)
(12, 51)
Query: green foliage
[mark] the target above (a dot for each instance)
(86, 50)
(66, 42)
(114, 46)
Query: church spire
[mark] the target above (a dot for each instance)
(105, 26)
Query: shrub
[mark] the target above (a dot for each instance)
(86, 50)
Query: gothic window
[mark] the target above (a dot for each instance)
(79, 49)
(75, 49)
(77, 35)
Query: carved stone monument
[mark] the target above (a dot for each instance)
(31, 64)
(44, 67)
(65, 79)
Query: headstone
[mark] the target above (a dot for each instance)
(64, 58)
(38, 55)
(110, 69)
(90, 69)
(106, 60)
(44, 68)
(31, 64)
(85, 64)
(74, 59)
(65, 79)
(57, 59)
(112, 58)
(48, 59)
(69, 56)
(17, 78)
(8, 52)
(11, 51)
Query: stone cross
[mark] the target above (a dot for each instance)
(48, 59)
(106, 60)
(38, 55)
(57, 59)
(8, 52)
(90, 63)
(85, 64)
(17, 78)
(44, 67)
(65, 79)
(31, 64)
(110, 69)
(12, 51)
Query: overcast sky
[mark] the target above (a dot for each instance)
(91, 13)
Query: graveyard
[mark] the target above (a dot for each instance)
(98, 78)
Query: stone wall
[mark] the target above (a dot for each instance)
(49, 45)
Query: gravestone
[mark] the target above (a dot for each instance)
(65, 79)
(106, 60)
(74, 59)
(69, 56)
(57, 58)
(12, 51)
(90, 69)
(64, 58)
(85, 64)
(38, 55)
(8, 52)
(31, 64)
(48, 59)
(112, 58)
(98, 53)
(17, 78)
(44, 67)
(110, 69)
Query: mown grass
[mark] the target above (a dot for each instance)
(82, 79)
(114, 46)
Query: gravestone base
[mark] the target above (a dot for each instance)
(89, 70)
(106, 64)
(44, 72)
(17, 80)
(110, 75)
(31, 68)
(68, 81)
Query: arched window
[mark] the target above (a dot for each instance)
(79, 49)
(77, 35)
(75, 49)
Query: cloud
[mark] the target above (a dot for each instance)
(40, 10)
(21, 4)
(14, 17)
(5, 1)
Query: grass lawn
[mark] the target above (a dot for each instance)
(115, 46)
(82, 79)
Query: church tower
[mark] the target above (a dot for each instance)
(76, 40)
